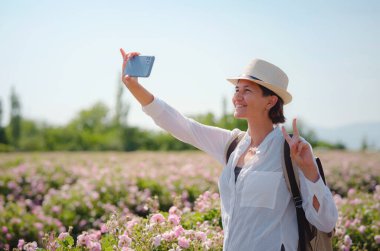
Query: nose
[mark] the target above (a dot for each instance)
(238, 95)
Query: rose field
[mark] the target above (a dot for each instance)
(154, 200)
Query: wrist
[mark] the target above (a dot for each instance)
(311, 173)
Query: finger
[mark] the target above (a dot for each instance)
(300, 146)
(123, 52)
(286, 135)
(294, 147)
(133, 54)
(128, 56)
(124, 55)
(295, 129)
(124, 64)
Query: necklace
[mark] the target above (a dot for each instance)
(252, 149)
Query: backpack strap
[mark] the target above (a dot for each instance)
(303, 226)
(320, 169)
(232, 145)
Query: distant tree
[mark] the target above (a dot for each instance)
(121, 108)
(135, 139)
(223, 119)
(1, 112)
(364, 145)
(3, 137)
(92, 119)
(127, 138)
(327, 145)
(340, 146)
(31, 136)
(90, 128)
(167, 142)
(207, 119)
(230, 122)
(15, 120)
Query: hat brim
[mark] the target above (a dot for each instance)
(286, 96)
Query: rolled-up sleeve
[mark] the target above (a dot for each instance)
(209, 139)
(326, 217)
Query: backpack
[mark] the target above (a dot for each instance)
(310, 238)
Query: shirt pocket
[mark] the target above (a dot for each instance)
(260, 189)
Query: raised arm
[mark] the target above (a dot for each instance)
(142, 95)
(317, 200)
(210, 139)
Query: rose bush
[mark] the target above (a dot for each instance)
(159, 201)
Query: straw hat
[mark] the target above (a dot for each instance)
(268, 75)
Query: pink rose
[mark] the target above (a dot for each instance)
(377, 239)
(175, 210)
(362, 229)
(81, 240)
(347, 240)
(103, 228)
(344, 248)
(4, 229)
(178, 230)
(31, 246)
(174, 219)
(56, 209)
(169, 236)
(201, 236)
(63, 236)
(157, 219)
(124, 241)
(39, 225)
(183, 242)
(351, 192)
(20, 244)
(95, 246)
(157, 240)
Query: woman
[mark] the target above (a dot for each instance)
(257, 209)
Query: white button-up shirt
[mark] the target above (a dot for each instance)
(257, 211)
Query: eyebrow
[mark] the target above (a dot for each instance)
(244, 86)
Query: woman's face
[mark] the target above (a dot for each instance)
(249, 101)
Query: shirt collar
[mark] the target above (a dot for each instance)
(247, 139)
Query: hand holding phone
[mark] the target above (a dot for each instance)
(139, 66)
(142, 95)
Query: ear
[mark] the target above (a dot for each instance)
(272, 101)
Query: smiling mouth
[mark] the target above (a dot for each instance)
(240, 106)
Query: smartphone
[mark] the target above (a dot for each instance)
(139, 66)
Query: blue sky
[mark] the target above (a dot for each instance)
(63, 56)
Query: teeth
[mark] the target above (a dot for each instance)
(239, 106)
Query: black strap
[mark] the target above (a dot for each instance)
(233, 145)
(319, 164)
(301, 219)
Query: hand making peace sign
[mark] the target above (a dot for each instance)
(301, 153)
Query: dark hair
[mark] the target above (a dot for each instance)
(276, 113)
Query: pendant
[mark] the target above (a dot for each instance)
(252, 149)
